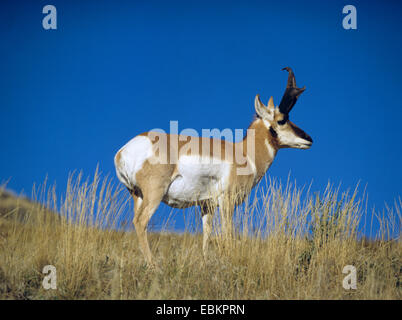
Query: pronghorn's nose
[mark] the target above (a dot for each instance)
(305, 136)
(300, 133)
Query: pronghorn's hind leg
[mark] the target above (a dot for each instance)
(143, 212)
(152, 194)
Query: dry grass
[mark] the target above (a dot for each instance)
(285, 246)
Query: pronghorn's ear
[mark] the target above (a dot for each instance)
(262, 111)
(271, 105)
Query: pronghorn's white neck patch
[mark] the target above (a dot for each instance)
(270, 149)
(266, 123)
(252, 164)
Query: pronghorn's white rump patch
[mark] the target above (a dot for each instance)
(132, 157)
(197, 180)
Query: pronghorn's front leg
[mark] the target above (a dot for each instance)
(226, 209)
(207, 219)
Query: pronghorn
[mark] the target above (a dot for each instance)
(183, 180)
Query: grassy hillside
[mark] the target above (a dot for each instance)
(282, 247)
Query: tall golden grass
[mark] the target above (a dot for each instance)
(286, 243)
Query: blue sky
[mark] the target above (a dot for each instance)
(71, 97)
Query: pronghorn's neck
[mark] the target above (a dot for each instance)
(265, 149)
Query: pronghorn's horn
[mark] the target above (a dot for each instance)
(291, 94)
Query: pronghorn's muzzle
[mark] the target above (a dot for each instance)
(301, 134)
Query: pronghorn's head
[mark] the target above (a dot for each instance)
(285, 132)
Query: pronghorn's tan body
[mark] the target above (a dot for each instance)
(205, 176)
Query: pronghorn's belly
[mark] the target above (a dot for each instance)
(197, 181)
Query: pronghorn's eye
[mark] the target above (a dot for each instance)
(284, 120)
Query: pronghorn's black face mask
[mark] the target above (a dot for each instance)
(277, 120)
